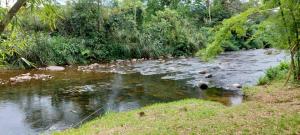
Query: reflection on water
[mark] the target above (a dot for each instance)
(45, 106)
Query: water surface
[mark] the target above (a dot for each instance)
(45, 106)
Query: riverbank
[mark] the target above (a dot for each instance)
(269, 109)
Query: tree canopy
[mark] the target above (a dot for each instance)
(83, 31)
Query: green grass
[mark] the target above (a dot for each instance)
(269, 109)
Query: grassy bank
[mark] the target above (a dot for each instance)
(269, 109)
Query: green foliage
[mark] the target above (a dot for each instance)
(228, 35)
(172, 33)
(274, 73)
(273, 23)
(85, 31)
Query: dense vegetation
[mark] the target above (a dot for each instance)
(85, 31)
(273, 23)
(45, 32)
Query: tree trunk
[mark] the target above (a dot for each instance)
(11, 13)
(291, 46)
(208, 5)
(295, 28)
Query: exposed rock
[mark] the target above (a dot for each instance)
(91, 67)
(268, 52)
(134, 60)
(25, 78)
(170, 56)
(55, 68)
(120, 61)
(203, 85)
(28, 77)
(182, 57)
(236, 85)
(42, 76)
(2, 82)
(27, 74)
(203, 72)
(208, 76)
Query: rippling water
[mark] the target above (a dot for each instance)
(44, 106)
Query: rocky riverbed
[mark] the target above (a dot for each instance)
(230, 70)
(55, 98)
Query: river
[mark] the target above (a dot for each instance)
(44, 106)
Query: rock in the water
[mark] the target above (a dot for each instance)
(203, 85)
(12, 79)
(170, 57)
(182, 57)
(236, 85)
(208, 76)
(28, 77)
(268, 52)
(203, 72)
(55, 68)
(27, 74)
(25, 78)
(134, 60)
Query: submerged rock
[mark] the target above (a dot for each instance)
(55, 68)
(203, 85)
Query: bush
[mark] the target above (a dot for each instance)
(57, 50)
(274, 73)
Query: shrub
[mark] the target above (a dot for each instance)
(274, 73)
(56, 50)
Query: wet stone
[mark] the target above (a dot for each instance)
(29, 77)
(203, 72)
(208, 76)
(236, 85)
(55, 68)
(203, 85)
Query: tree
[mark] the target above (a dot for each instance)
(285, 34)
(10, 14)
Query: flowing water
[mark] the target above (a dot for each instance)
(38, 106)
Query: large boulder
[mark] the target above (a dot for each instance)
(55, 68)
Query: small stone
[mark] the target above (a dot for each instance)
(208, 76)
(236, 85)
(27, 74)
(134, 60)
(268, 52)
(203, 72)
(25, 78)
(119, 60)
(12, 79)
(55, 68)
(170, 57)
(182, 57)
